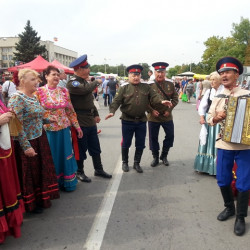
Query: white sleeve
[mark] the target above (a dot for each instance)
(204, 103)
(4, 87)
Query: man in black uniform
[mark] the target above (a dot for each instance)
(134, 99)
(83, 102)
(161, 116)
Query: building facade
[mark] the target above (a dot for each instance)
(7, 49)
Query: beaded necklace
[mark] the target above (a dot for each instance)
(56, 102)
(56, 94)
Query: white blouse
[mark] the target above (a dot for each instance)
(204, 101)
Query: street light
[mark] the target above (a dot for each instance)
(105, 59)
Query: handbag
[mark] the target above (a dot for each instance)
(15, 126)
(184, 98)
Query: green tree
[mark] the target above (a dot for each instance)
(210, 55)
(144, 73)
(217, 47)
(221, 47)
(241, 31)
(172, 72)
(28, 47)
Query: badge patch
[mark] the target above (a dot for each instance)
(75, 83)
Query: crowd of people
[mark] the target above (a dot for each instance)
(46, 131)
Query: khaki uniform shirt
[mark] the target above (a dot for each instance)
(218, 105)
(169, 89)
(82, 100)
(134, 101)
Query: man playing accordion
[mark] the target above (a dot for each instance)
(229, 69)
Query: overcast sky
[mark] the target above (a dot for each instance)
(127, 32)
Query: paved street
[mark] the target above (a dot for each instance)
(163, 208)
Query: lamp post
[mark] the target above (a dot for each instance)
(105, 66)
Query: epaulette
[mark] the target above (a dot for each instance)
(72, 78)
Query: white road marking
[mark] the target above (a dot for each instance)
(96, 234)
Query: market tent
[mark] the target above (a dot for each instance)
(189, 73)
(199, 76)
(39, 64)
(61, 66)
(94, 74)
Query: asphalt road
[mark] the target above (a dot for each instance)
(164, 208)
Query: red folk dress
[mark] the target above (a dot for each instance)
(11, 203)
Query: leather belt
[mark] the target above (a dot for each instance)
(84, 111)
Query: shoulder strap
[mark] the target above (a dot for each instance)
(8, 87)
(222, 96)
(162, 91)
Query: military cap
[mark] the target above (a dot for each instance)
(229, 63)
(80, 62)
(160, 66)
(135, 69)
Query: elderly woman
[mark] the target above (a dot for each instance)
(11, 204)
(34, 161)
(57, 103)
(205, 160)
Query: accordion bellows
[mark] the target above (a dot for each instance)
(237, 125)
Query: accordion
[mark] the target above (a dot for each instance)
(237, 123)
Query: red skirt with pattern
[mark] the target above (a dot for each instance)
(37, 174)
(11, 203)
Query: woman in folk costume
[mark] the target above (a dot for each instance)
(205, 160)
(56, 101)
(11, 203)
(34, 161)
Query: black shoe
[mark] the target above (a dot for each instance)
(165, 161)
(137, 167)
(155, 162)
(103, 174)
(239, 226)
(226, 213)
(125, 167)
(82, 177)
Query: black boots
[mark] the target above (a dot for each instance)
(137, 160)
(228, 203)
(80, 172)
(241, 212)
(164, 155)
(125, 166)
(155, 161)
(99, 168)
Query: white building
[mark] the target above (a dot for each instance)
(7, 49)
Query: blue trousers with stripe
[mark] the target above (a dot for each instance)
(129, 129)
(154, 128)
(225, 163)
